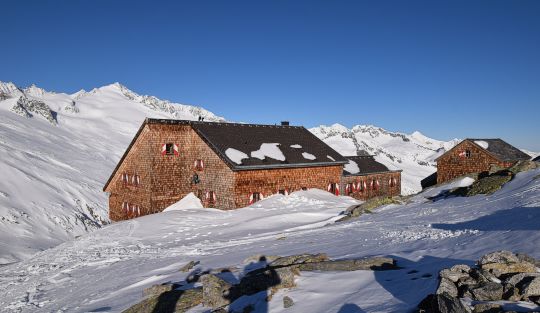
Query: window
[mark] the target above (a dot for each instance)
(136, 180)
(349, 189)
(333, 188)
(465, 154)
(211, 197)
(124, 178)
(254, 197)
(304, 188)
(281, 191)
(169, 148)
(374, 184)
(199, 165)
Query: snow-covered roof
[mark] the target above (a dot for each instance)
(363, 165)
(267, 146)
(496, 147)
(235, 155)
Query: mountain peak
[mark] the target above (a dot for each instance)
(8, 87)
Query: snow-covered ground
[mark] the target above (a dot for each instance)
(52, 173)
(106, 270)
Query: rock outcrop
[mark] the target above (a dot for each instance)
(218, 291)
(25, 107)
(498, 276)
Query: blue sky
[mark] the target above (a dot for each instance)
(446, 68)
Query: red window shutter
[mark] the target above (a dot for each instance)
(163, 149)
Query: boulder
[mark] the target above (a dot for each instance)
(455, 273)
(375, 263)
(523, 166)
(522, 257)
(487, 308)
(447, 287)
(487, 185)
(298, 259)
(488, 292)
(216, 292)
(442, 304)
(156, 290)
(287, 302)
(286, 277)
(177, 301)
(505, 262)
(516, 279)
(499, 257)
(500, 269)
(258, 257)
(511, 293)
(189, 266)
(530, 287)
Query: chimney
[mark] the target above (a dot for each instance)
(284, 123)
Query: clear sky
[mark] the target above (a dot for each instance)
(446, 68)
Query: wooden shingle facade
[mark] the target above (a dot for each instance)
(226, 165)
(477, 156)
(365, 178)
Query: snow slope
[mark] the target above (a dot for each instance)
(57, 151)
(106, 270)
(415, 154)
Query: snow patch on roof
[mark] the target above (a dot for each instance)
(482, 143)
(190, 201)
(236, 155)
(308, 156)
(331, 158)
(270, 150)
(351, 167)
(296, 146)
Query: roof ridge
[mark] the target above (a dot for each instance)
(191, 122)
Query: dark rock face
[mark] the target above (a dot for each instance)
(442, 304)
(72, 108)
(25, 107)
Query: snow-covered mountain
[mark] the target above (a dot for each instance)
(57, 151)
(415, 154)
